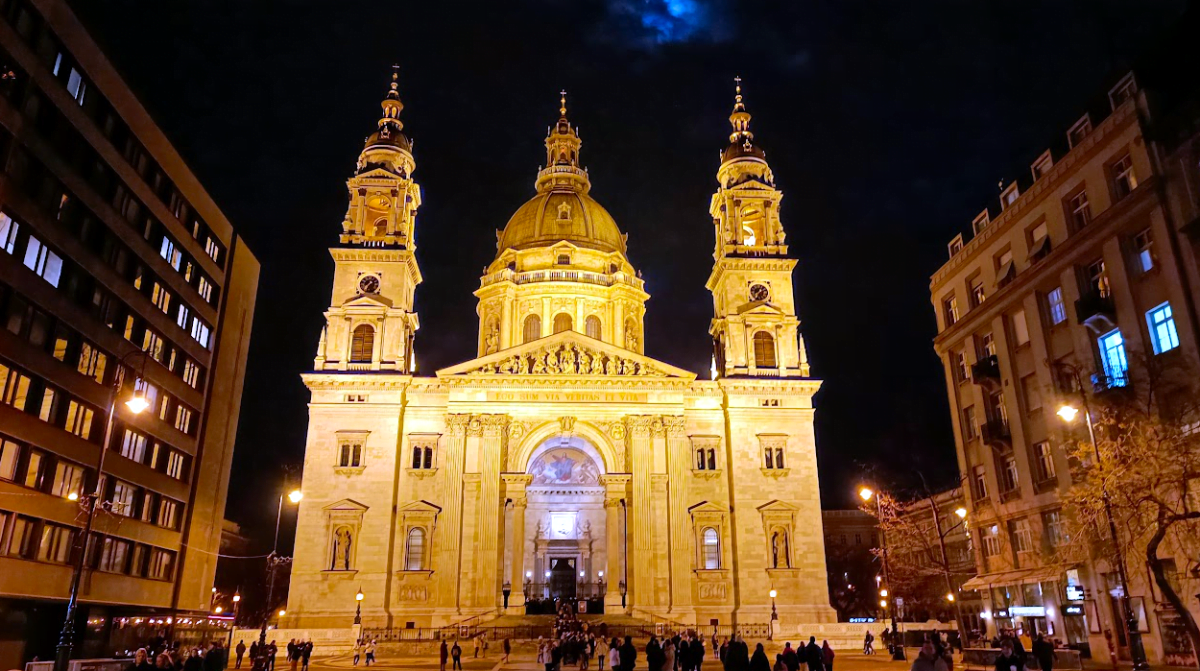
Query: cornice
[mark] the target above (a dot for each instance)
(754, 386)
(339, 381)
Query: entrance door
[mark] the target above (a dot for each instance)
(562, 578)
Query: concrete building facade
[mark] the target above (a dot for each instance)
(114, 265)
(562, 463)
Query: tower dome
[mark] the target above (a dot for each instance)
(562, 210)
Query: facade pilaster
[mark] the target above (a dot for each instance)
(662, 541)
(490, 531)
(641, 456)
(679, 461)
(514, 486)
(615, 487)
(450, 554)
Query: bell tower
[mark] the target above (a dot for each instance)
(755, 330)
(370, 324)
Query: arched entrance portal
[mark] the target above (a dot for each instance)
(565, 526)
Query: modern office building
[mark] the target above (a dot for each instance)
(1083, 267)
(114, 263)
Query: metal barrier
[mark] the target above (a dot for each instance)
(109, 664)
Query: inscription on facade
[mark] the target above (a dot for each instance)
(567, 397)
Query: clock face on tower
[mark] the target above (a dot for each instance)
(759, 292)
(369, 284)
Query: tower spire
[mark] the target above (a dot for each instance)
(390, 121)
(562, 104)
(562, 169)
(740, 118)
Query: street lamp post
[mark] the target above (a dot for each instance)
(1137, 652)
(274, 561)
(136, 404)
(937, 523)
(237, 599)
(866, 494)
(774, 617)
(358, 607)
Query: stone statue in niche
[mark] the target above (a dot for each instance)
(342, 541)
(779, 550)
(491, 339)
(631, 339)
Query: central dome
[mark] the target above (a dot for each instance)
(557, 215)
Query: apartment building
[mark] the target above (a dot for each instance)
(113, 261)
(1082, 264)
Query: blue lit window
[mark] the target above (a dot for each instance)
(1162, 329)
(1112, 354)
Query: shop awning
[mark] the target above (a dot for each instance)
(1025, 576)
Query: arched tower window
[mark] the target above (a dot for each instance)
(562, 322)
(414, 550)
(362, 344)
(532, 329)
(380, 227)
(764, 350)
(592, 326)
(712, 549)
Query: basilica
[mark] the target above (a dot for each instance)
(562, 464)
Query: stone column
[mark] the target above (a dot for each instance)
(679, 465)
(662, 547)
(491, 455)
(515, 484)
(641, 456)
(450, 543)
(614, 544)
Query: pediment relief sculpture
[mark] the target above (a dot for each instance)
(568, 359)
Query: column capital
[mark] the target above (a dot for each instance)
(674, 425)
(639, 425)
(457, 424)
(614, 481)
(493, 424)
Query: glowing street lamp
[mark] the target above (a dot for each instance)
(961, 512)
(774, 616)
(295, 495)
(950, 597)
(138, 403)
(1068, 413)
(865, 493)
(883, 593)
(358, 609)
(218, 610)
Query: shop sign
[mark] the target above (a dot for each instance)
(861, 620)
(1027, 611)
(1073, 610)
(1074, 589)
(1001, 612)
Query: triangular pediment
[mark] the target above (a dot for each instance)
(759, 308)
(378, 172)
(567, 354)
(369, 301)
(419, 507)
(707, 507)
(777, 506)
(346, 504)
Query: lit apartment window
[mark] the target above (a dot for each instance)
(33, 469)
(123, 498)
(149, 507)
(977, 293)
(8, 233)
(1143, 249)
(950, 310)
(1056, 528)
(1097, 278)
(15, 387)
(205, 289)
(160, 297)
(55, 546)
(1020, 328)
(1009, 477)
(414, 550)
(1055, 306)
(161, 564)
(1079, 130)
(1112, 355)
(168, 251)
(212, 248)
(76, 86)
(987, 345)
(79, 420)
(68, 479)
(153, 344)
(1124, 181)
(10, 453)
(1163, 335)
(92, 362)
(1081, 212)
(1022, 536)
(46, 413)
(183, 418)
(191, 373)
(175, 463)
(168, 511)
(970, 426)
(960, 365)
(42, 261)
(991, 540)
(114, 555)
(712, 549)
(979, 483)
(134, 446)
(183, 316)
(21, 537)
(200, 332)
(1045, 460)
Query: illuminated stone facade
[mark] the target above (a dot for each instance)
(562, 459)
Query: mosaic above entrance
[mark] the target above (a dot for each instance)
(564, 466)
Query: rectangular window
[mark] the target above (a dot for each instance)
(1097, 278)
(79, 419)
(970, 427)
(92, 362)
(1009, 476)
(200, 332)
(42, 261)
(8, 233)
(160, 297)
(191, 373)
(123, 498)
(168, 511)
(991, 540)
(960, 367)
(68, 479)
(979, 483)
(1081, 212)
(76, 86)
(1078, 131)
(175, 464)
(950, 310)
(137, 566)
(168, 251)
(148, 507)
(46, 413)
(152, 343)
(987, 346)
(1124, 181)
(1021, 535)
(10, 453)
(977, 293)
(114, 555)
(1163, 335)
(1042, 166)
(1020, 328)
(33, 469)
(1055, 306)
(1045, 460)
(212, 248)
(134, 446)
(183, 418)
(1143, 250)
(161, 564)
(205, 289)
(350, 455)
(15, 386)
(1056, 529)
(183, 316)
(1112, 355)
(55, 546)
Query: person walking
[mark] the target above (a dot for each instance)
(929, 660)
(759, 661)
(813, 656)
(869, 643)
(1009, 659)
(443, 655)
(507, 650)
(358, 646)
(475, 642)
(669, 658)
(614, 656)
(293, 655)
(601, 653)
(827, 655)
(456, 656)
(1043, 652)
(305, 653)
(272, 652)
(241, 652)
(791, 659)
(628, 654)
(370, 652)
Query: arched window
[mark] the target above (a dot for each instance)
(592, 326)
(380, 227)
(712, 549)
(533, 328)
(562, 322)
(414, 550)
(764, 350)
(362, 344)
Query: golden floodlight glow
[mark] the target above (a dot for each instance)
(359, 596)
(950, 597)
(882, 603)
(883, 592)
(282, 612)
(218, 610)
(295, 496)
(1068, 413)
(237, 598)
(865, 493)
(961, 512)
(773, 594)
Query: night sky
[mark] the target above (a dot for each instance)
(888, 126)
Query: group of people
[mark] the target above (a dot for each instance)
(812, 656)
(163, 657)
(361, 646)
(1012, 651)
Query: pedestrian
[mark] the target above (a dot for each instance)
(195, 661)
(886, 637)
(293, 655)
(358, 646)
(507, 650)
(543, 655)
(272, 651)
(869, 644)
(791, 660)
(740, 654)
(141, 661)
(475, 642)
(1009, 659)
(759, 661)
(779, 665)
(628, 654)
(669, 656)
(241, 651)
(813, 656)
(305, 653)
(929, 660)
(1043, 652)
(601, 653)
(456, 656)
(216, 659)
(370, 652)
(827, 655)
(443, 655)
(614, 656)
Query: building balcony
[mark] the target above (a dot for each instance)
(1096, 311)
(995, 432)
(986, 371)
(1102, 384)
